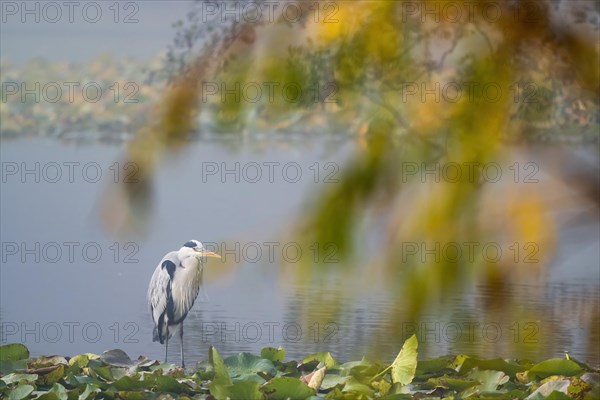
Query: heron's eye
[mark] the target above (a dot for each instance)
(190, 244)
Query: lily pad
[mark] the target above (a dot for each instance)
(323, 357)
(130, 383)
(57, 392)
(6, 367)
(13, 352)
(90, 390)
(497, 364)
(23, 378)
(273, 354)
(331, 381)
(457, 384)
(427, 368)
(554, 366)
(20, 392)
(287, 388)
(490, 380)
(169, 384)
(78, 362)
(50, 377)
(248, 390)
(355, 386)
(245, 366)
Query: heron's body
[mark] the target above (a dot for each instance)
(173, 289)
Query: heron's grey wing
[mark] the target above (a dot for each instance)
(159, 296)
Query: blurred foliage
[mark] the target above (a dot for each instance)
(269, 376)
(368, 72)
(385, 77)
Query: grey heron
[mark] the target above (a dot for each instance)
(173, 289)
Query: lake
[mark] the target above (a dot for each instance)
(69, 286)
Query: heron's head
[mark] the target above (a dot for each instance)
(194, 248)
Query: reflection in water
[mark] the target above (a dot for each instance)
(100, 305)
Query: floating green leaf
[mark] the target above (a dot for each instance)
(89, 390)
(20, 392)
(241, 390)
(323, 357)
(497, 364)
(52, 375)
(6, 367)
(245, 366)
(489, 380)
(130, 383)
(554, 366)
(14, 377)
(57, 392)
(287, 388)
(457, 384)
(273, 354)
(240, 377)
(13, 352)
(169, 384)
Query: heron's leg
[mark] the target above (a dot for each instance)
(167, 344)
(181, 337)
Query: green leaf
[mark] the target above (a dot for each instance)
(6, 367)
(103, 372)
(78, 362)
(169, 384)
(14, 377)
(287, 388)
(332, 380)
(323, 357)
(496, 364)
(246, 366)
(13, 352)
(222, 377)
(48, 396)
(427, 368)
(554, 366)
(273, 354)
(241, 390)
(20, 392)
(58, 392)
(89, 390)
(131, 383)
(405, 364)
(450, 383)
(355, 386)
(490, 380)
(51, 377)
(133, 395)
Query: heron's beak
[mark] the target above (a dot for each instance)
(210, 254)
